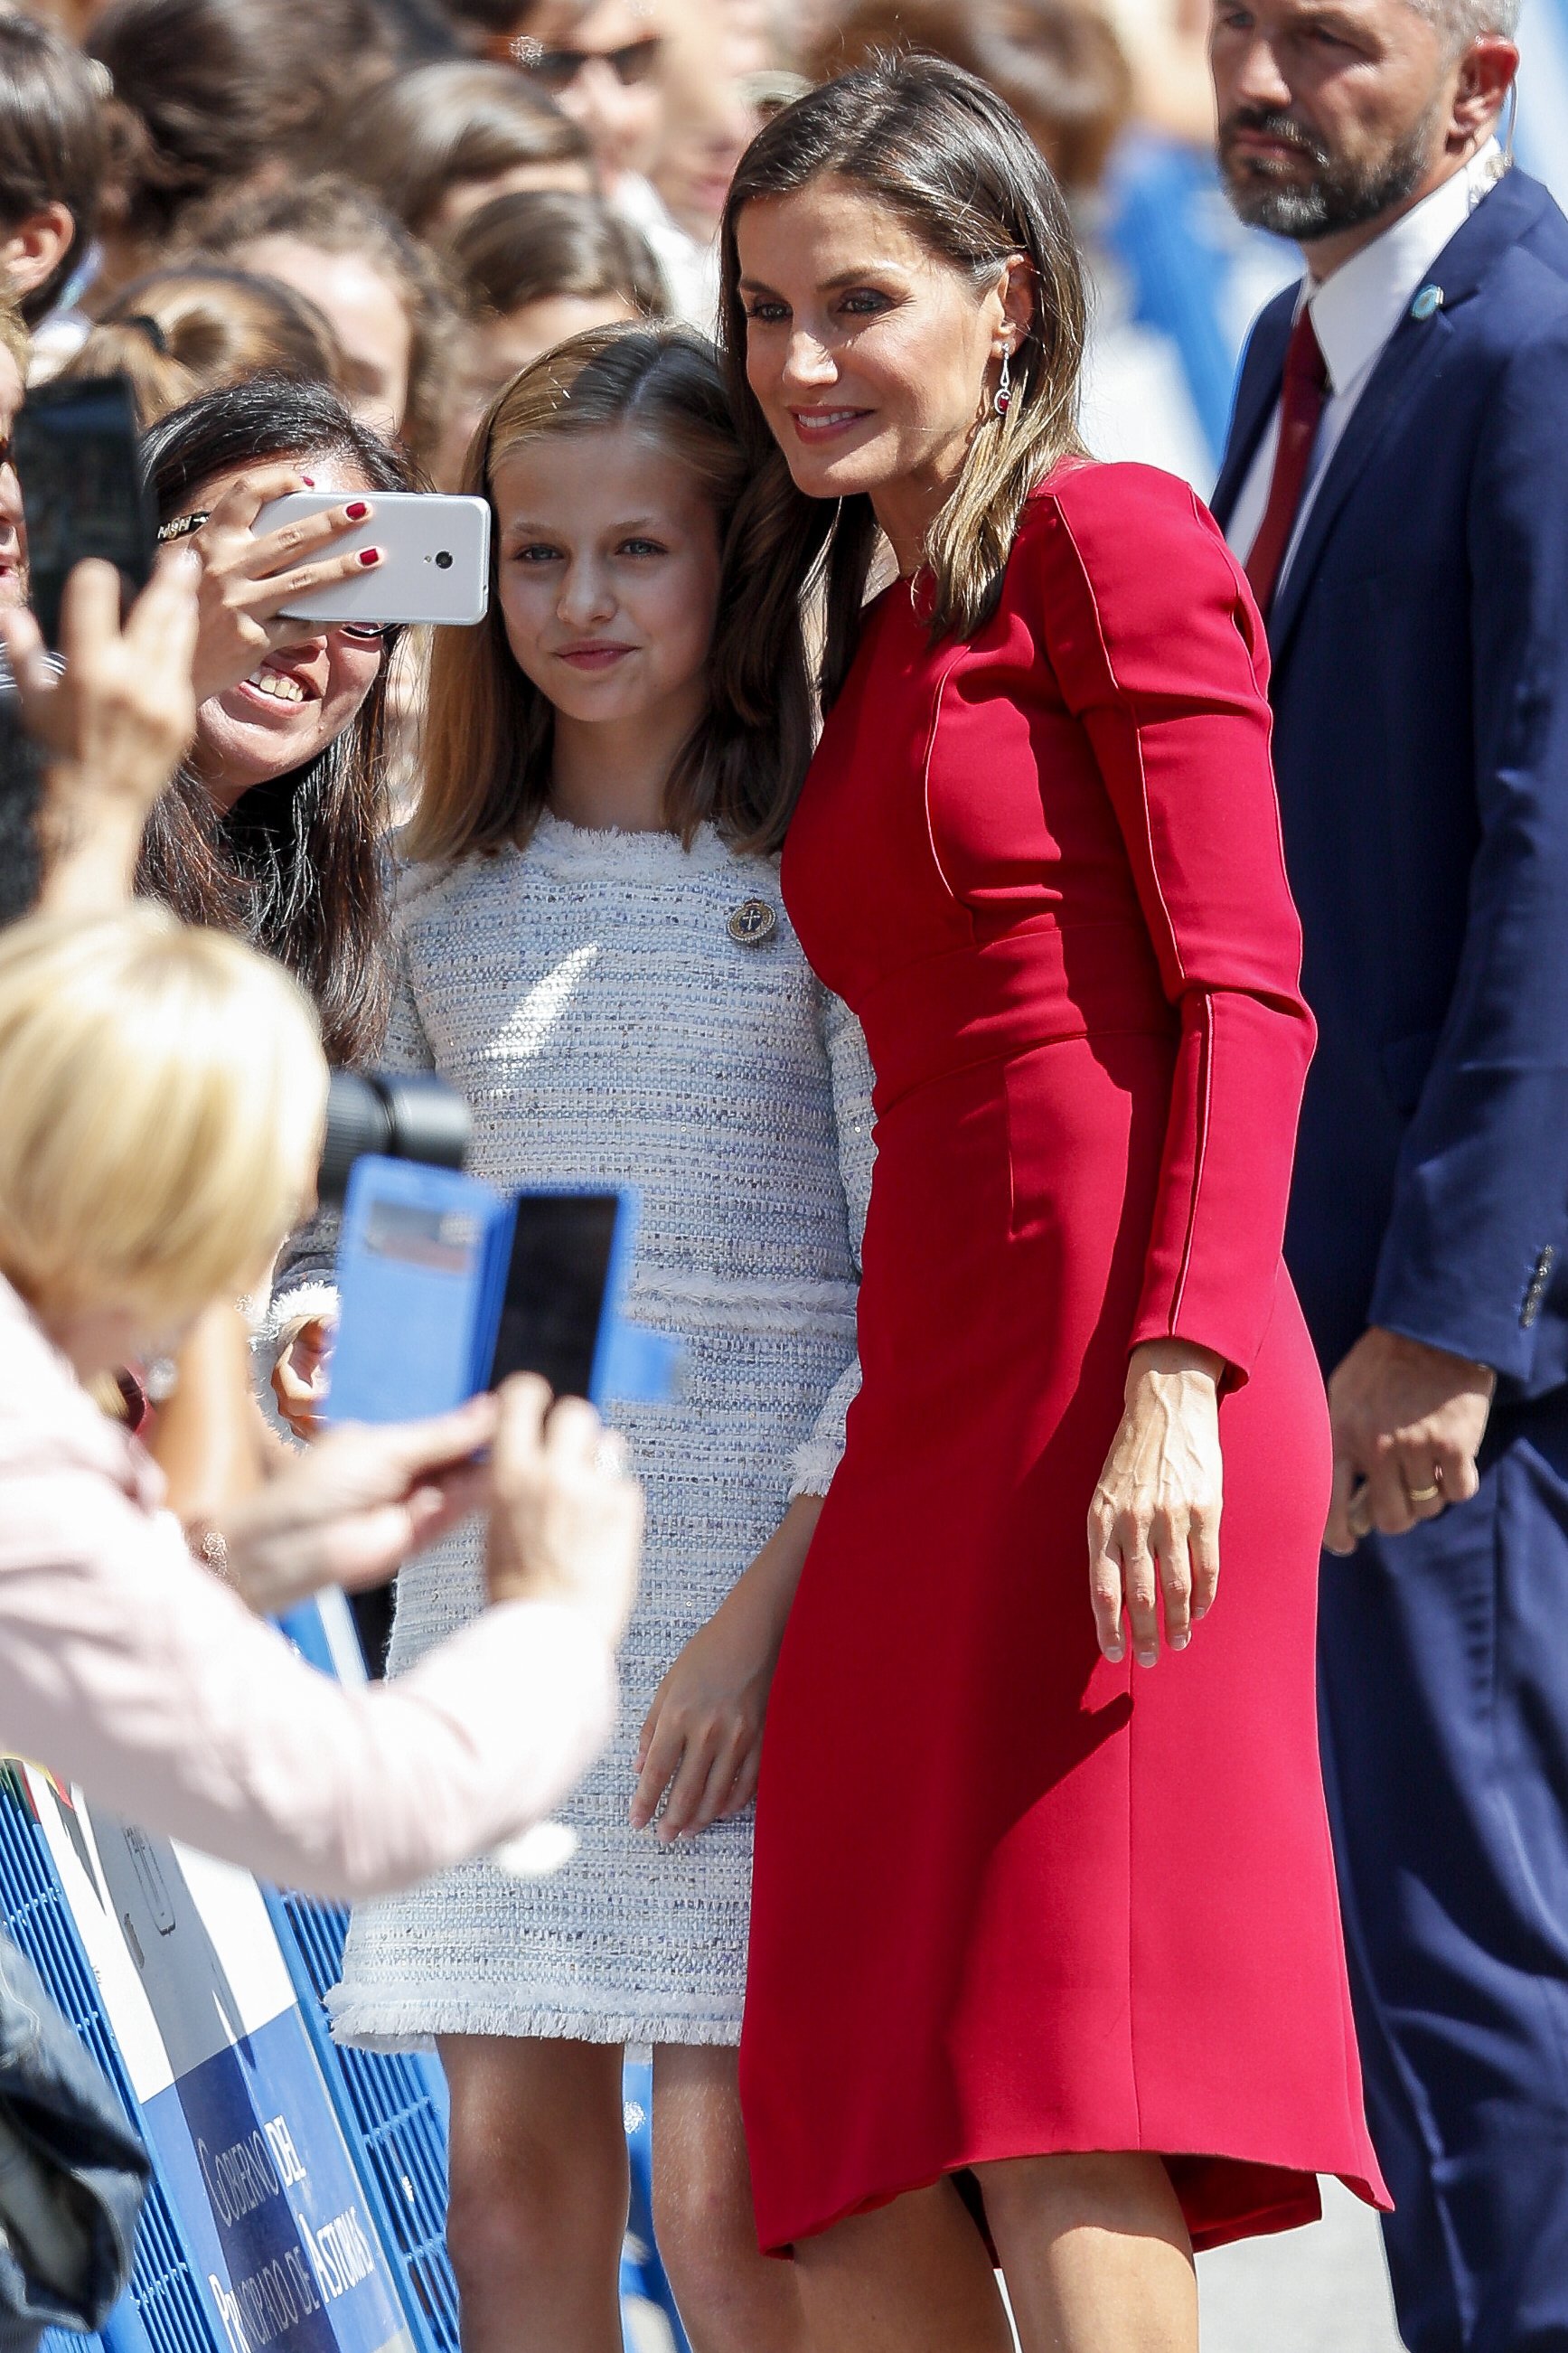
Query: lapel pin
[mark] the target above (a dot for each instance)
(751, 923)
(1430, 298)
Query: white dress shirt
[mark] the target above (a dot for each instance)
(1354, 312)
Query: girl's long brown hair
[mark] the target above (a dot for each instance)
(489, 730)
(952, 162)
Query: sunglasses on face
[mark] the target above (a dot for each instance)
(557, 69)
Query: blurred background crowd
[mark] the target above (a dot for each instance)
(410, 198)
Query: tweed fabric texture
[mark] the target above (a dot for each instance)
(587, 997)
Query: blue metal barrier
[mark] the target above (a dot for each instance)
(386, 2113)
(163, 2312)
(392, 2106)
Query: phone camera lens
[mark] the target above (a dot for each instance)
(444, 559)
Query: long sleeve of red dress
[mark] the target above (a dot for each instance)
(1159, 652)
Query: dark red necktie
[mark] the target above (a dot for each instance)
(1300, 406)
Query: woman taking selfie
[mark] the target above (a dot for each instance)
(162, 1095)
(1045, 1922)
(273, 827)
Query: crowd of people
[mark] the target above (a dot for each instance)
(1073, 981)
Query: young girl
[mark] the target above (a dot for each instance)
(618, 992)
(536, 266)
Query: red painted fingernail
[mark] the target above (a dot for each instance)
(369, 556)
(358, 511)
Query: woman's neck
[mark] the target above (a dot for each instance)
(906, 509)
(610, 776)
(223, 789)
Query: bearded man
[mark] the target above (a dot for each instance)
(1396, 483)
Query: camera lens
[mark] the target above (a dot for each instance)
(444, 559)
(404, 1117)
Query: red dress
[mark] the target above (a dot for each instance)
(1010, 1899)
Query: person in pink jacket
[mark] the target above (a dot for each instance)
(161, 1094)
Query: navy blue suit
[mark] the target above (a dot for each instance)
(1420, 642)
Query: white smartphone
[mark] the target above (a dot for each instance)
(435, 561)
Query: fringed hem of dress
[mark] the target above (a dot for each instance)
(410, 2023)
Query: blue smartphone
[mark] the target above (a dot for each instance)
(447, 1287)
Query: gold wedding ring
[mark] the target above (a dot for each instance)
(1423, 1495)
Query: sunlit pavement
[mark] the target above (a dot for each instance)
(1322, 2289)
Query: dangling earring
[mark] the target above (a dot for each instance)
(1003, 401)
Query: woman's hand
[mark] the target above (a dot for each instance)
(246, 580)
(113, 725)
(300, 1375)
(701, 1745)
(352, 1511)
(1153, 1526)
(565, 1520)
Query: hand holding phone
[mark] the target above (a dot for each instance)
(83, 492)
(112, 724)
(251, 570)
(565, 1520)
(432, 566)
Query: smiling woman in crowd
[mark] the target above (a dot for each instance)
(273, 827)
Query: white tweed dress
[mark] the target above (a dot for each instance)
(589, 998)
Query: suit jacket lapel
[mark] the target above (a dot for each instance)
(1262, 374)
(1499, 220)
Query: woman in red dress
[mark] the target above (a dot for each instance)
(1044, 1925)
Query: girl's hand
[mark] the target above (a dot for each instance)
(702, 1741)
(300, 1374)
(1153, 1526)
(700, 1747)
(246, 580)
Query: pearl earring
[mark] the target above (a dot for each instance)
(1003, 401)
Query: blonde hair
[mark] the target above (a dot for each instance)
(489, 730)
(161, 1096)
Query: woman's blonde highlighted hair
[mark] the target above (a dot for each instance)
(489, 730)
(956, 167)
(161, 1096)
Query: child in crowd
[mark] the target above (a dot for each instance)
(197, 327)
(591, 952)
(536, 266)
(436, 144)
(385, 294)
